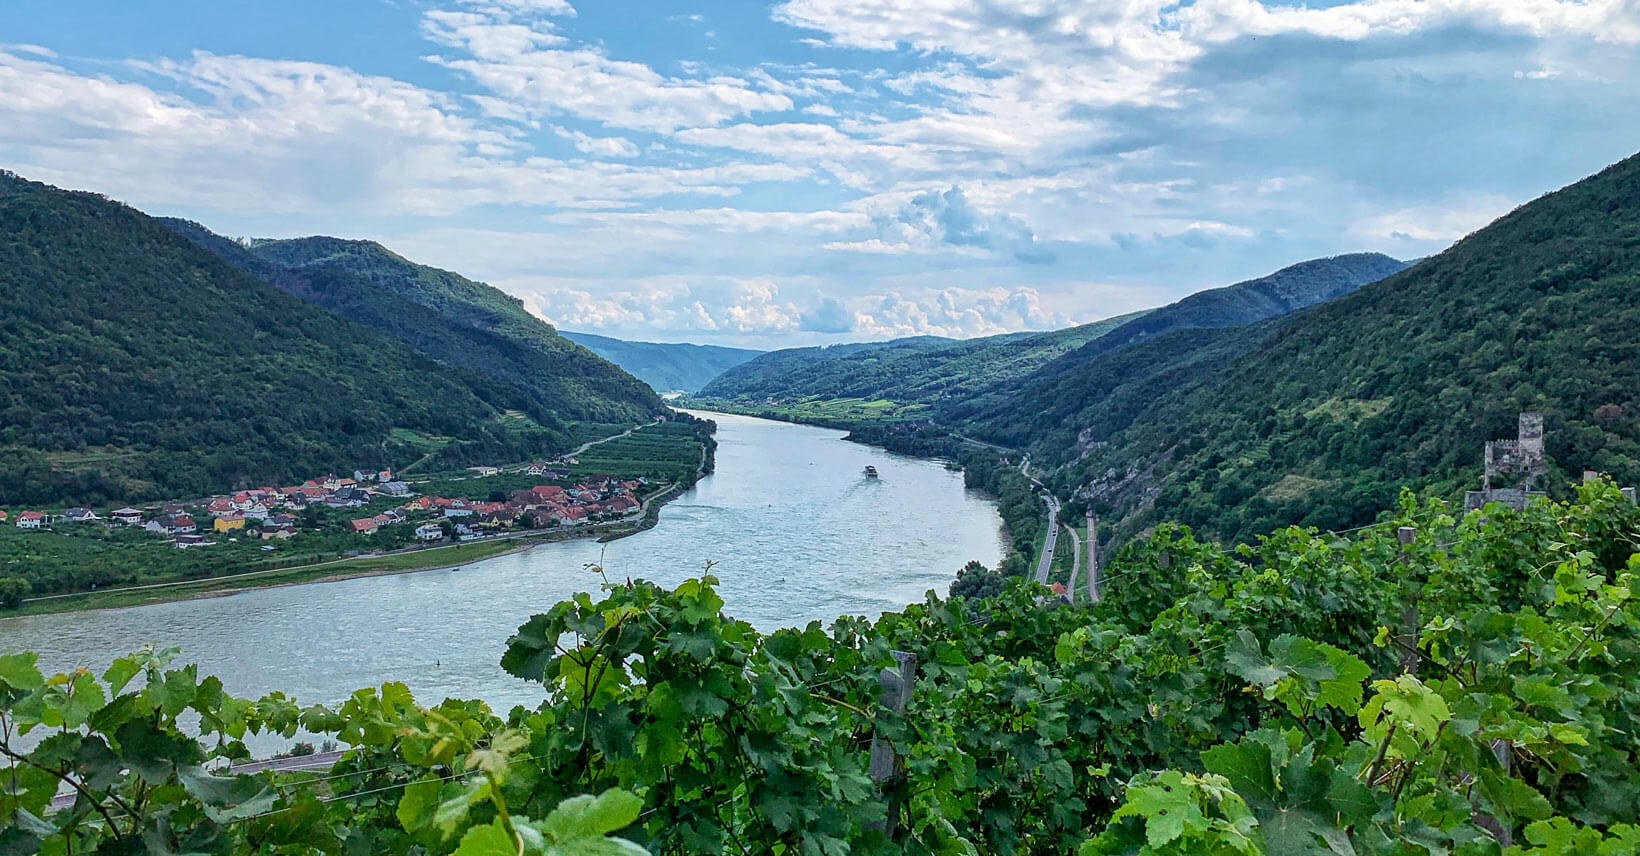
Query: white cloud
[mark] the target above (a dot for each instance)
(1440, 224)
(615, 147)
(519, 61)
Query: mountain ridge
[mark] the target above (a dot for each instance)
(449, 317)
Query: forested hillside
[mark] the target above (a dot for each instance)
(796, 372)
(445, 316)
(135, 365)
(1319, 417)
(922, 370)
(957, 379)
(665, 366)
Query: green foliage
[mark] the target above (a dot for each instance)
(1266, 705)
(13, 589)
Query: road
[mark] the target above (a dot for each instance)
(1045, 561)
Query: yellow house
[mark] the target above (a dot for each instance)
(229, 523)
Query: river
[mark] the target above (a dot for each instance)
(795, 533)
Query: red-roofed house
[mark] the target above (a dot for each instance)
(366, 526)
(30, 520)
(573, 515)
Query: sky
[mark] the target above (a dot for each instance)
(813, 171)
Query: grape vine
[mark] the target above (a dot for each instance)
(1469, 688)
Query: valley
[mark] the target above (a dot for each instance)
(1210, 577)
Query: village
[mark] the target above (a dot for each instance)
(276, 514)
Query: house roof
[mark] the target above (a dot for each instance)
(367, 524)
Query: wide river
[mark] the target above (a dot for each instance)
(793, 530)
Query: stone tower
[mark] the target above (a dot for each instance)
(1513, 467)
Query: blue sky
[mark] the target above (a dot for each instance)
(811, 171)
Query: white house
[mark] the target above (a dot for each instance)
(127, 517)
(429, 532)
(79, 515)
(30, 520)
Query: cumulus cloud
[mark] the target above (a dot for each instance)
(946, 218)
(827, 316)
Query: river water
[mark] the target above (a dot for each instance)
(795, 531)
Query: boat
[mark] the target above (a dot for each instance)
(871, 472)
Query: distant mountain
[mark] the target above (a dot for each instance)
(796, 372)
(1320, 416)
(443, 315)
(666, 367)
(1293, 287)
(136, 365)
(959, 379)
(922, 370)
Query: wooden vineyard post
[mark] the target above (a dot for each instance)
(887, 764)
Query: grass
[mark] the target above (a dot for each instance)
(1349, 409)
(434, 557)
(1291, 486)
(419, 441)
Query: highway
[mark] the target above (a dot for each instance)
(1045, 561)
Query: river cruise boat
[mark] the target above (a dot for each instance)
(871, 472)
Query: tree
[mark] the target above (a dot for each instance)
(12, 591)
(975, 580)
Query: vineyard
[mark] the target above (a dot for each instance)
(668, 451)
(1434, 685)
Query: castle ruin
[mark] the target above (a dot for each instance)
(1513, 468)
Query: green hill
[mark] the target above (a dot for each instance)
(1293, 287)
(923, 370)
(665, 366)
(443, 315)
(959, 379)
(135, 365)
(1320, 416)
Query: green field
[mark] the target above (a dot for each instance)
(832, 412)
(434, 557)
